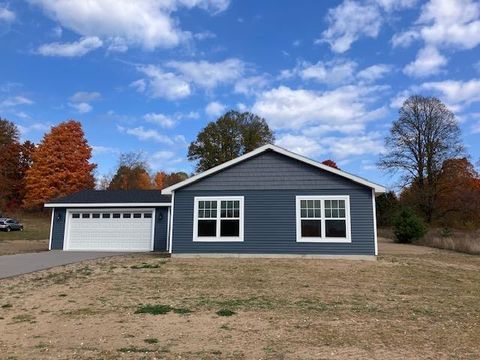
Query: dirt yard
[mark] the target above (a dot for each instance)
(410, 305)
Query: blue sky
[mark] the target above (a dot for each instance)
(147, 75)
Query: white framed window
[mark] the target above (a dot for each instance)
(218, 218)
(323, 218)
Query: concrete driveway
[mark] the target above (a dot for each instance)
(12, 265)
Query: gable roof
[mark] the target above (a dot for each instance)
(96, 198)
(379, 189)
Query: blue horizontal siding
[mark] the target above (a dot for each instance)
(58, 229)
(270, 223)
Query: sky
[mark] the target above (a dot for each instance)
(148, 75)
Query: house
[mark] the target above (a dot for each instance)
(267, 202)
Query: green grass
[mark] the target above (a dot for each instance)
(154, 309)
(36, 227)
(146, 266)
(225, 312)
(151, 340)
(159, 309)
(134, 349)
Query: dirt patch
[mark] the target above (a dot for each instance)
(9, 247)
(401, 306)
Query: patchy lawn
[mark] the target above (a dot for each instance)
(36, 227)
(32, 239)
(401, 306)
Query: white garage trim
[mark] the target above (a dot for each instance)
(66, 235)
(103, 205)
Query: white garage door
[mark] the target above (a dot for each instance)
(110, 230)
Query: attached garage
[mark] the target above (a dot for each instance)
(110, 229)
(94, 220)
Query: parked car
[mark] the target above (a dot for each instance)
(7, 224)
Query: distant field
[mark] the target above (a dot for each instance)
(36, 227)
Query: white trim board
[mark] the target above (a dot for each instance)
(105, 205)
(376, 187)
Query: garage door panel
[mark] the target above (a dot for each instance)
(100, 233)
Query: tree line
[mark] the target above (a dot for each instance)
(439, 184)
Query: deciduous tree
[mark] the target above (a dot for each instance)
(60, 165)
(163, 179)
(330, 163)
(132, 173)
(424, 136)
(232, 135)
(15, 161)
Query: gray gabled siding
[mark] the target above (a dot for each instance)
(269, 183)
(159, 237)
(271, 170)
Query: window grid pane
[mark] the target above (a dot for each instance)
(207, 209)
(311, 209)
(230, 209)
(335, 209)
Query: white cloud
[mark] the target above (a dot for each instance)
(428, 62)
(398, 100)
(374, 72)
(35, 127)
(161, 84)
(348, 22)
(214, 109)
(15, 101)
(251, 85)
(73, 49)
(204, 35)
(149, 134)
(101, 150)
(442, 24)
(331, 72)
(80, 101)
(337, 147)
(83, 96)
(160, 119)
(6, 15)
(390, 5)
(404, 39)
(286, 108)
(456, 93)
(81, 107)
(209, 75)
(451, 23)
(242, 107)
(300, 144)
(145, 23)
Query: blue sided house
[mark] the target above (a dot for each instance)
(268, 202)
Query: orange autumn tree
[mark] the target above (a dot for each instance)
(60, 165)
(330, 163)
(132, 173)
(162, 179)
(458, 200)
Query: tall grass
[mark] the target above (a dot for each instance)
(465, 241)
(456, 240)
